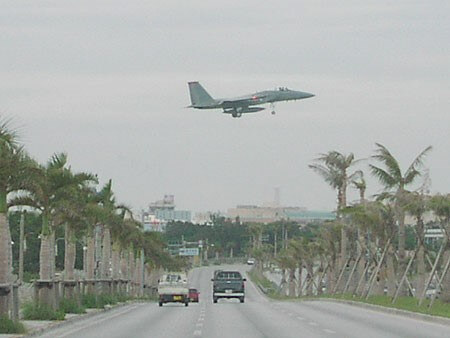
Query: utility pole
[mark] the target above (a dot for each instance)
(21, 248)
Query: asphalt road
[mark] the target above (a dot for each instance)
(257, 317)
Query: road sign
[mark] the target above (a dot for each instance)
(188, 252)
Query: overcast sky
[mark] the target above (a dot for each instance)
(105, 81)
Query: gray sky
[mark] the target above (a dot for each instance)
(106, 82)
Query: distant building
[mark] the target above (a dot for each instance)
(161, 212)
(253, 213)
(304, 216)
(270, 214)
(205, 217)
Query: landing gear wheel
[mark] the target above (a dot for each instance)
(186, 304)
(214, 300)
(241, 299)
(272, 106)
(160, 303)
(234, 114)
(273, 112)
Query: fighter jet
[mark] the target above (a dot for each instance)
(200, 99)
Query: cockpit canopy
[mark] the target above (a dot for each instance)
(283, 89)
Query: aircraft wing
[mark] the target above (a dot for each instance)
(242, 101)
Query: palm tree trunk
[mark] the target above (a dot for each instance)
(310, 271)
(116, 274)
(69, 260)
(45, 270)
(283, 284)
(331, 276)
(115, 262)
(299, 283)
(421, 277)
(445, 288)
(131, 270)
(390, 273)
(401, 247)
(106, 253)
(292, 282)
(44, 254)
(362, 260)
(106, 259)
(90, 260)
(4, 258)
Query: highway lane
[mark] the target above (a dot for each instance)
(257, 317)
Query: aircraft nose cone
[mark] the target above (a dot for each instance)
(305, 95)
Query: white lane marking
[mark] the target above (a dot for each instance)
(312, 323)
(329, 331)
(201, 319)
(300, 318)
(197, 332)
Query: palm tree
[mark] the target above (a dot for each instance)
(114, 214)
(417, 205)
(440, 204)
(73, 214)
(286, 261)
(360, 184)
(48, 193)
(333, 167)
(14, 167)
(395, 183)
(329, 240)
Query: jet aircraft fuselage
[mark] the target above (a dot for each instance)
(200, 99)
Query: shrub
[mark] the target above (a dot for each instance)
(29, 276)
(35, 311)
(68, 305)
(92, 301)
(89, 301)
(10, 326)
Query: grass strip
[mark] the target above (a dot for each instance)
(439, 308)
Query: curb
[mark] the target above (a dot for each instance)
(60, 323)
(405, 313)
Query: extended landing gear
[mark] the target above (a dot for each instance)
(272, 106)
(236, 114)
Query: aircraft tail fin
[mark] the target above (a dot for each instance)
(199, 96)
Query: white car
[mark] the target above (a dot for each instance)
(250, 261)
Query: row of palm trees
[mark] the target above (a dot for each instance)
(116, 247)
(363, 251)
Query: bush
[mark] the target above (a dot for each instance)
(92, 301)
(68, 305)
(35, 311)
(89, 301)
(10, 326)
(29, 276)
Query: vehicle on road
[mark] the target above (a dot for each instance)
(173, 288)
(193, 295)
(228, 284)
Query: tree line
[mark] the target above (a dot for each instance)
(368, 249)
(65, 208)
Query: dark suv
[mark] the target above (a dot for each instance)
(228, 284)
